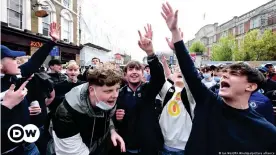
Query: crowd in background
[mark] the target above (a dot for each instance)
(141, 109)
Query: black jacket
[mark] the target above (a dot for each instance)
(20, 113)
(140, 127)
(75, 115)
(218, 127)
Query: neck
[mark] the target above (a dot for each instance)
(239, 102)
(133, 87)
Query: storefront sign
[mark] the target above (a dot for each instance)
(55, 51)
(36, 44)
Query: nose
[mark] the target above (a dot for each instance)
(115, 94)
(225, 75)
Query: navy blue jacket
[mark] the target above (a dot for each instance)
(219, 128)
(140, 127)
(262, 105)
(20, 113)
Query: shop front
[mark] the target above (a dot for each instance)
(29, 42)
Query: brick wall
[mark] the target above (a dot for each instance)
(247, 26)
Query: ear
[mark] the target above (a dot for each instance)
(251, 87)
(91, 89)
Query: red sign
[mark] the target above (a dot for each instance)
(36, 44)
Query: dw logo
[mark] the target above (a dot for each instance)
(17, 133)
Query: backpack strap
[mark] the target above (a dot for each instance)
(168, 96)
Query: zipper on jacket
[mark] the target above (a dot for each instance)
(91, 142)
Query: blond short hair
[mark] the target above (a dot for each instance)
(72, 64)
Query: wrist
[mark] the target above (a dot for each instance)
(150, 53)
(10, 106)
(112, 131)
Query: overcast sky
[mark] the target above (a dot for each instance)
(127, 16)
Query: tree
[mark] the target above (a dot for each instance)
(256, 47)
(269, 45)
(224, 49)
(197, 47)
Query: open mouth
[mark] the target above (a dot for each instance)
(179, 76)
(110, 102)
(134, 76)
(224, 84)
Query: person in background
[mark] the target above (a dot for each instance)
(217, 76)
(96, 61)
(269, 84)
(147, 73)
(61, 88)
(15, 112)
(223, 123)
(208, 80)
(55, 66)
(82, 123)
(271, 71)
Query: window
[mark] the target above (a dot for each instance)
(241, 29)
(66, 26)
(46, 25)
(255, 23)
(15, 13)
(44, 22)
(66, 30)
(67, 3)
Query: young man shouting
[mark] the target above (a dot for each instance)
(82, 123)
(223, 124)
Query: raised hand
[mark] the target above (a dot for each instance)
(13, 98)
(170, 16)
(148, 31)
(170, 41)
(145, 43)
(54, 31)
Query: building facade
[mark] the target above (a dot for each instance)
(99, 35)
(22, 30)
(262, 18)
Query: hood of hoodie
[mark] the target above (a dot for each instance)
(78, 99)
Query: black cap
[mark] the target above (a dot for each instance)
(54, 62)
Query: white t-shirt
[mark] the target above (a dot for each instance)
(175, 121)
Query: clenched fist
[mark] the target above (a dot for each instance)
(120, 113)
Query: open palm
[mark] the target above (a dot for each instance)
(145, 43)
(169, 16)
(54, 31)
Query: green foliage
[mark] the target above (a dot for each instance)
(224, 49)
(197, 47)
(254, 47)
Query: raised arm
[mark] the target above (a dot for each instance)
(157, 79)
(198, 90)
(41, 54)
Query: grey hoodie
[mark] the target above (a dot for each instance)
(78, 99)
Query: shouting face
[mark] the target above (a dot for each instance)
(9, 66)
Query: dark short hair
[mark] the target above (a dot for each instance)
(96, 58)
(54, 62)
(147, 66)
(133, 64)
(253, 75)
(104, 75)
(206, 69)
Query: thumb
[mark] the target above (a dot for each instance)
(12, 87)
(114, 141)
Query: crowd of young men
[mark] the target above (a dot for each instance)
(138, 110)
